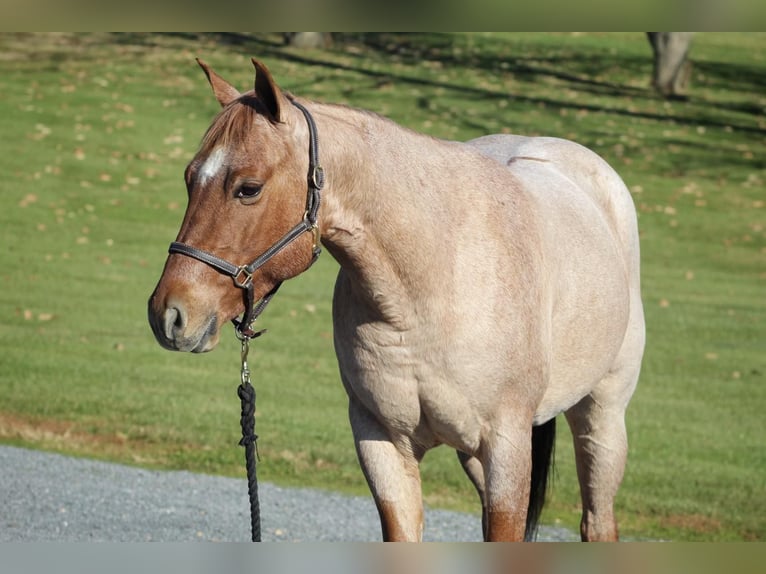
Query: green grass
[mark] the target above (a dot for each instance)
(97, 130)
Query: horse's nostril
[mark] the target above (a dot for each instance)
(174, 321)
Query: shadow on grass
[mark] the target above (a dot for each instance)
(413, 48)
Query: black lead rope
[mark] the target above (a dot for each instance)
(249, 439)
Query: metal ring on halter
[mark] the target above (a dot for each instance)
(317, 177)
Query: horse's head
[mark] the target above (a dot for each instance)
(247, 190)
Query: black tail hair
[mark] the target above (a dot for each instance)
(543, 447)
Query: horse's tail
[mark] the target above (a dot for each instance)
(543, 446)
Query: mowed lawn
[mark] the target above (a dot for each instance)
(98, 128)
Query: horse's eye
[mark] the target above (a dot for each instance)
(249, 191)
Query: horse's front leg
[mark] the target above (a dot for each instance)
(475, 473)
(393, 474)
(507, 460)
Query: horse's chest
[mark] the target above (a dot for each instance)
(382, 373)
(412, 390)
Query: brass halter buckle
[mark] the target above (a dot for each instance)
(248, 277)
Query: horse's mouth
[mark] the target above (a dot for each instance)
(209, 339)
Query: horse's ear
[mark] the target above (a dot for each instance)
(268, 92)
(224, 92)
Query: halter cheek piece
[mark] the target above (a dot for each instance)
(243, 274)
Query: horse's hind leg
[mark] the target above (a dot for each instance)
(393, 474)
(475, 472)
(600, 443)
(600, 438)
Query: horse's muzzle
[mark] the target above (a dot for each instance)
(171, 328)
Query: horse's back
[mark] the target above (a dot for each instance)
(588, 172)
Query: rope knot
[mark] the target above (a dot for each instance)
(246, 394)
(248, 439)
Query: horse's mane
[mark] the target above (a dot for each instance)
(234, 122)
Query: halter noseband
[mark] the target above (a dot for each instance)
(243, 274)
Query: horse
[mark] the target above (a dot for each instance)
(484, 288)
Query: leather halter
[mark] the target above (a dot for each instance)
(243, 274)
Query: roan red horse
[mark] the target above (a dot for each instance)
(484, 288)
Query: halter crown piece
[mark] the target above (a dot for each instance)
(243, 274)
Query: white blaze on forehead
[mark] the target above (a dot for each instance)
(213, 164)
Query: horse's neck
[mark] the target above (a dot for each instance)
(380, 213)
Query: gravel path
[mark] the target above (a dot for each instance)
(50, 497)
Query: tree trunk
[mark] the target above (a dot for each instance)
(671, 68)
(308, 39)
